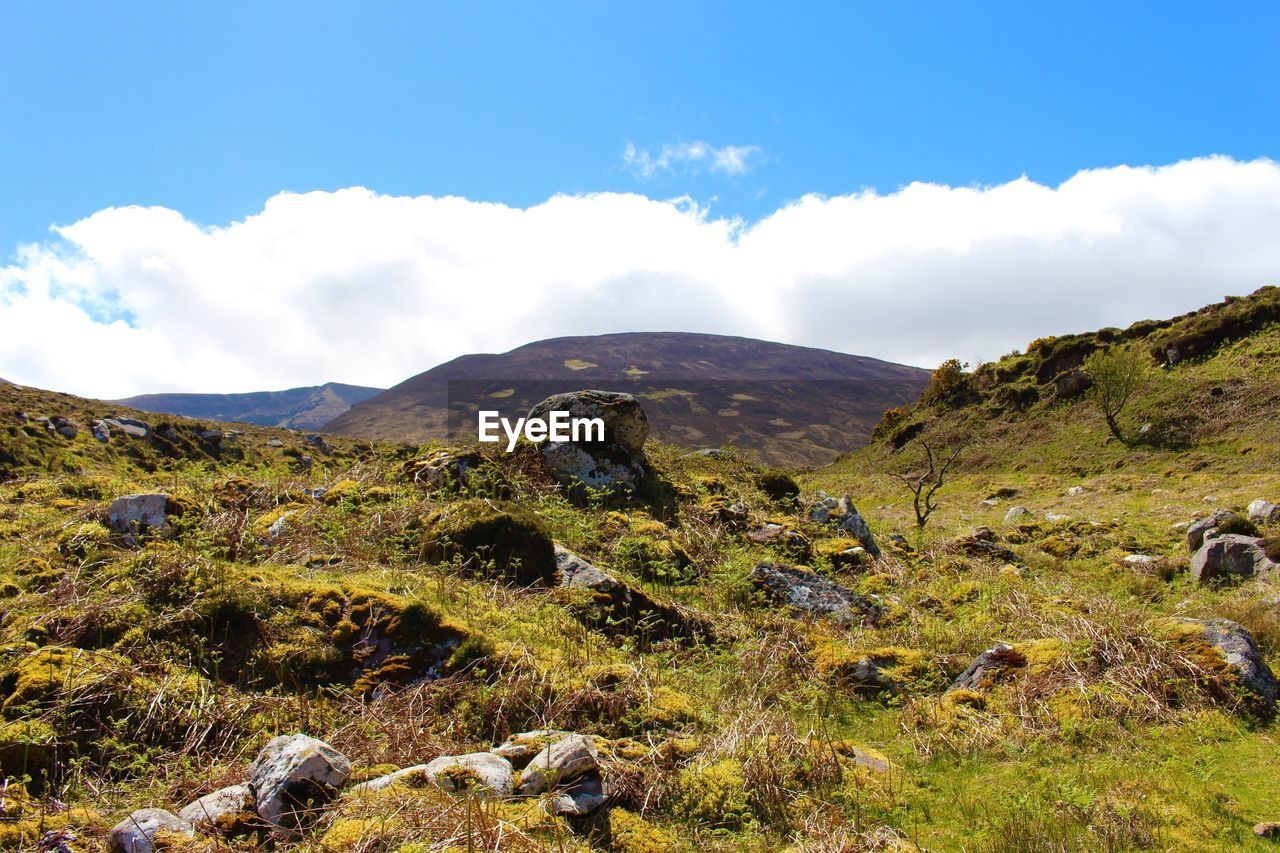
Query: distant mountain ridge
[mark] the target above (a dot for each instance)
(299, 408)
(792, 405)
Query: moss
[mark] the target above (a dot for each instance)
(1044, 654)
(490, 537)
(630, 833)
(964, 698)
(888, 667)
(1060, 545)
(1238, 525)
(343, 490)
(778, 486)
(712, 795)
(657, 560)
(666, 708)
(53, 669)
(348, 834)
(27, 747)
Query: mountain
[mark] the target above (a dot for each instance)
(300, 408)
(791, 405)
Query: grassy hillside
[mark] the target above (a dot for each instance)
(146, 671)
(787, 405)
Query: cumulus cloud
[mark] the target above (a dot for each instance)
(359, 287)
(691, 157)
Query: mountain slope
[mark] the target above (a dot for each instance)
(300, 408)
(791, 405)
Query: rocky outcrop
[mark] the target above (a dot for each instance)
(1230, 555)
(617, 464)
(293, 777)
(149, 829)
(814, 595)
(1232, 648)
(1202, 529)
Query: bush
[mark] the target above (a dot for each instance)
(949, 385)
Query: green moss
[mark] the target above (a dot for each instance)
(490, 537)
(630, 833)
(712, 795)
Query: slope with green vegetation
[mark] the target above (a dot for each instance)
(398, 603)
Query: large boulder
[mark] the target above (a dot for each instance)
(148, 829)
(559, 763)
(1263, 512)
(225, 811)
(812, 594)
(134, 513)
(491, 536)
(292, 778)
(1228, 555)
(1224, 645)
(617, 464)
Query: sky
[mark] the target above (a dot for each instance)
(245, 196)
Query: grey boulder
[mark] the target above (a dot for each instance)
(560, 762)
(812, 594)
(211, 808)
(132, 513)
(1230, 554)
(1263, 512)
(292, 777)
(137, 833)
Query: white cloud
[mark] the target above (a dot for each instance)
(359, 287)
(691, 157)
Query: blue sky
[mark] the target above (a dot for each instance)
(245, 196)
(211, 108)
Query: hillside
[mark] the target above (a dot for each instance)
(307, 408)
(724, 665)
(790, 405)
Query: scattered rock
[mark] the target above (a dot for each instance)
(987, 666)
(1015, 514)
(1075, 491)
(813, 594)
(1238, 652)
(210, 436)
(101, 432)
(1056, 518)
(274, 442)
(561, 762)
(981, 543)
(1197, 530)
(66, 428)
(137, 833)
(618, 463)
(520, 748)
(443, 469)
(292, 777)
(129, 426)
(483, 772)
(132, 513)
(990, 502)
(1139, 560)
(856, 526)
(1071, 383)
(317, 441)
(1263, 512)
(223, 811)
(820, 513)
(304, 463)
(580, 798)
(1230, 554)
(1269, 830)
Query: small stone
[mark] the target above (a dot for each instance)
(1139, 560)
(207, 811)
(1075, 491)
(137, 833)
(1015, 514)
(274, 442)
(1056, 518)
(989, 502)
(129, 426)
(1263, 512)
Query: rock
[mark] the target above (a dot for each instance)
(281, 524)
(710, 453)
(1015, 514)
(1075, 491)
(814, 595)
(856, 526)
(137, 833)
(561, 762)
(210, 436)
(66, 428)
(615, 465)
(1196, 532)
(1238, 651)
(214, 811)
(979, 545)
(1139, 560)
(820, 513)
(1071, 383)
(784, 537)
(581, 798)
(292, 777)
(443, 469)
(132, 513)
(987, 666)
(129, 426)
(577, 572)
(1056, 518)
(317, 441)
(520, 748)
(616, 608)
(1269, 830)
(483, 772)
(59, 841)
(274, 442)
(1263, 512)
(1230, 554)
(990, 502)
(100, 431)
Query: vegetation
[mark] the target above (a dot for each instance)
(1117, 374)
(401, 622)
